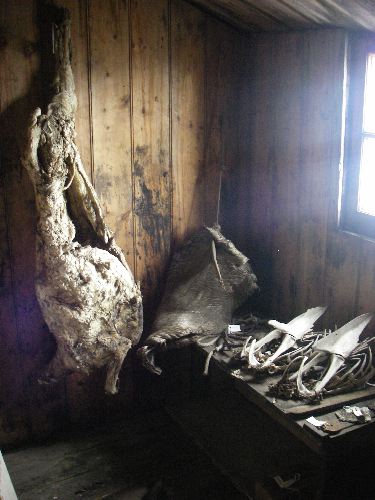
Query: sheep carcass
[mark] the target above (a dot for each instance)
(85, 289)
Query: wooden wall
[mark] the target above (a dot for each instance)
(285, 217)
(156, 81)
(167, 95)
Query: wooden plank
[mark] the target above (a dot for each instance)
(267, 184)
(188, 101)
(14, 412)
(285, 185)
(273, 15)
(285, 13)
(20, 96)
(243, 14)
(289, 183)
(252, 187)
(110, 91)
(80, 67)
(221, 153)
(118, 463)
(343, 14)
(333, 402)
(230, 147)
(342, 249)
(322, 61)
(14, 424)
(217, 48)
(365, 297)
(150, 26)
(257, 388)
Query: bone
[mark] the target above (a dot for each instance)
(344, 340)
(290, 333)
(348, 362)
(335, 363)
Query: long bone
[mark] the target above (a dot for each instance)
(337, 347)
(291, 332)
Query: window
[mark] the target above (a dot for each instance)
(358, 208)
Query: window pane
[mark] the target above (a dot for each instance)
(366, 192)
(369, 101)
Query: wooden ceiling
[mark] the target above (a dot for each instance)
(285, 15)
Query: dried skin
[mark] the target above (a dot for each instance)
(204, 287)
(85, 289)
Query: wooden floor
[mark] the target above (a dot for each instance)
(122, 461)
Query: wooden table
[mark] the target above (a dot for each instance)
(349, 446)
(292, 414)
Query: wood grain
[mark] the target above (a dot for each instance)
(142, 85)
(81, 69)
(292, 147)
(110, 91)
(188, 104)
(273, 15)
(14, 405)
(320, 145)
(20, 95)
(285, 181)
(221, 123)
(242, 14)
(150, 128)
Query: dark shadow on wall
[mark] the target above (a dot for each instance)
(26, 345)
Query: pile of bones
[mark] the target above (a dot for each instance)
(313, 364)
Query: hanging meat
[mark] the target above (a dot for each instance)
(207, 281)
(85, 289)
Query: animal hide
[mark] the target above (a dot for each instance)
(207, 281)
(85, 289)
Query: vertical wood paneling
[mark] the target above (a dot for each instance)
(80, 66)
(146, 99)
(320, 150)
(150, 127)
(286, 125)
(13, 417)
(14, 414)
(109, 43)
(188, 104)
(366, 278)
(19, 98)
(222, 124)
(294, 130)
(236, 75)
(166, 96)
(343, 250)
(253, 218)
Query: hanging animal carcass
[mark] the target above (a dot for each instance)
(85, 289)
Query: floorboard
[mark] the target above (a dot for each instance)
(121, 461)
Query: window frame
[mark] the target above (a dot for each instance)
(359, 47)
